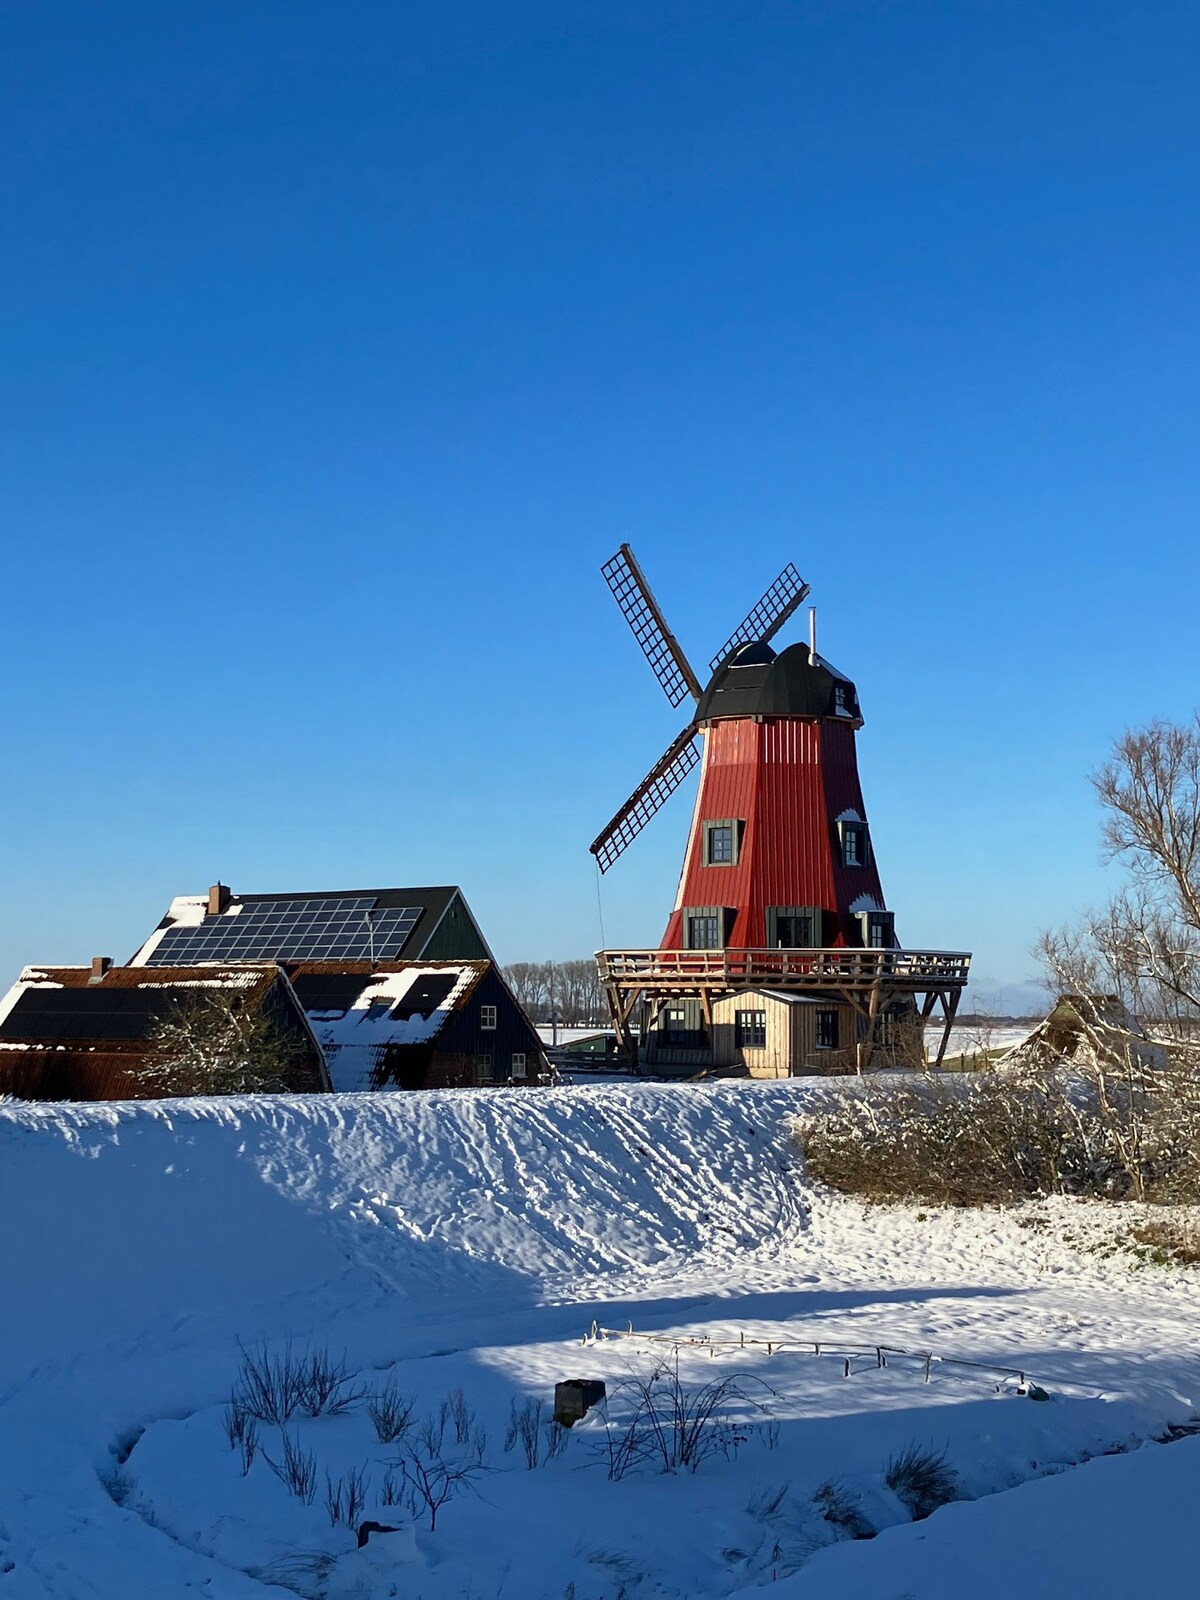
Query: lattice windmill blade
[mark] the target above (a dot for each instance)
(768, 616)
(640, 609)
(654, 790)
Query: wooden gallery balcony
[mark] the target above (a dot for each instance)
(868, 980)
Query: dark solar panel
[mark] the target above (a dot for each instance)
(87, 1013)
(329, 991)
(425, 995)
(351, 929)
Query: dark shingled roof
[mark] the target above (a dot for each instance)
(756, 682)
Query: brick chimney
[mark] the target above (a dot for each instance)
(100, 965)
(218, 899)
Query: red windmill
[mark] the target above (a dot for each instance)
(779, 878)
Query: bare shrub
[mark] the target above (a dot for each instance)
(235, 1419)
(346, 1497)
(305, 1572)
(274, 1385)
(839, 1507)
(556, 1435)
(461, 1415)
(269, 1383)
(766, 1502)
(391, 1412)
(525, 1429)
(324, 1385)
(250, 1445)
(671, 1426)
(392, 1491)
(297, 1468)
(432, 1474)
(921, 1480)
(945, 1140)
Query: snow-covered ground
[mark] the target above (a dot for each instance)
(467, 1241)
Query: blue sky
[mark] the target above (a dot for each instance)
(341, 345)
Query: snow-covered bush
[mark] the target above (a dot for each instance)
(921, 1480)
(1010, 1133)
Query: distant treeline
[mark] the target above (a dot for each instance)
(568, 990)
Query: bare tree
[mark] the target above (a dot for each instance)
(568, 990)
(1144, 945)
(214, 1043)
(1133, 966)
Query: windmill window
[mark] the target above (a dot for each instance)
(827, 1030)
(878, 929)
(704, 927)
(855, 843)
(682, 1028)
(487, 1016)
(750, 1030)
(721, 843)
(518, 1064)
(794, 927)
(483, 1067)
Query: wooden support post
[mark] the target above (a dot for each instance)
(864, 1054)
(949, 1009)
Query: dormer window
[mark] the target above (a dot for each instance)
(722, 842)
(794, 927)
(839, 700)
(855, 843)
(878, 929)
(704, 927)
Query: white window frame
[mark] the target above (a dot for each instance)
(487, 1019)
(518, 1064)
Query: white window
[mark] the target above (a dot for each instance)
(518, 1064)
(487, 1016)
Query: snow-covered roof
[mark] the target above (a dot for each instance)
(48, 1004)
(361, 1018)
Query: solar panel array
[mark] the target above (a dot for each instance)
(292, 930)
(99, 1013)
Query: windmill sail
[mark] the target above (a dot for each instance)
(655, 788)
(768, 616)
(640, 609)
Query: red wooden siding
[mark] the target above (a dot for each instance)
(787, 780)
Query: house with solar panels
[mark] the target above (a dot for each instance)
(399, 985)
(352, 925)
(385, 989)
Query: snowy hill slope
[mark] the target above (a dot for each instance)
(144, 1211)
(469, 1239)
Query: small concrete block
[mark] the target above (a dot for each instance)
(575, 1397)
